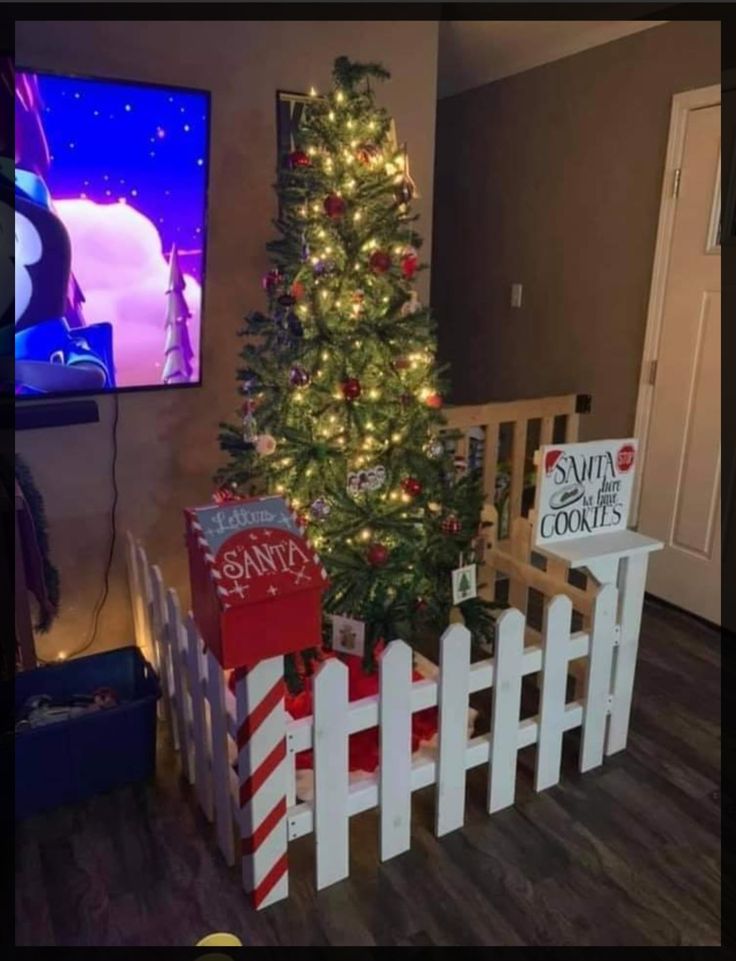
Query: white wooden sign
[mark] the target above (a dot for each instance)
(583, 489)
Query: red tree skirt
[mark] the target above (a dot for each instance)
(363, 753)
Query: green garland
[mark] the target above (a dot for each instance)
(50, 573)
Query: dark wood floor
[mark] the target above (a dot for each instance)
(626, 855)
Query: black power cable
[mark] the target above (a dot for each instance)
(113, 531)
(102, 600)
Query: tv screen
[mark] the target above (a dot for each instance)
(110, 208)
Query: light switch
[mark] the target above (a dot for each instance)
(516, 290)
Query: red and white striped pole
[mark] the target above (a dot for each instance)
(263, 779)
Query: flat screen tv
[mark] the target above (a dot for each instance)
(110, 224)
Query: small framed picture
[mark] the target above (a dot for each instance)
(348, 635)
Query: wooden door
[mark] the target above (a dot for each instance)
(681, 491)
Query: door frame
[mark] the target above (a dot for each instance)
(682, 104)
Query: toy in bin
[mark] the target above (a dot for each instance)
(43, 709)
(256, 583)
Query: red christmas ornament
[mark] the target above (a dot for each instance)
(379, 261)
(271, 281)
(377, 555)
(351, 388)
(409, 263)
(434, 401)
(334, 206)
(297, 290)
(297, 158)
(451, 524)
(411, 486)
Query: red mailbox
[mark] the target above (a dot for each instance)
(256, 583)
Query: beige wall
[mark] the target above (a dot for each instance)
(168, 446)
(552, 178)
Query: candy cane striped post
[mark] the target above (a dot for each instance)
(263, 779)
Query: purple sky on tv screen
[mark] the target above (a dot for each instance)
(127, 174)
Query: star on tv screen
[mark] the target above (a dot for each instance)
(110, 185)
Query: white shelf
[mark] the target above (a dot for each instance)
(581, 551)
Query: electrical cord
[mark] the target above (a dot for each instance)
(102, 599)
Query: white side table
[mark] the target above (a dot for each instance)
(619, 558)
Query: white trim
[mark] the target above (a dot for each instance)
(682, 104)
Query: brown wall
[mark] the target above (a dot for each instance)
(552, 178)
(168, 446)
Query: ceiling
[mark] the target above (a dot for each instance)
(475, 52)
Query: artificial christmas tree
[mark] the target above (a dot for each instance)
(341, 396)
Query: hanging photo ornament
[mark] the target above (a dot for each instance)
(320, 508)
(410, 306)
(367, 479)
(451, 524)
(435, 448)
(250, 430)
(304, 254)
(271, 281)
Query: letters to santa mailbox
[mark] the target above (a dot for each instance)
(256, 583)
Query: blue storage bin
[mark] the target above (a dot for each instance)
(73, 759)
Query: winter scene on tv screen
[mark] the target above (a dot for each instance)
(110, 201)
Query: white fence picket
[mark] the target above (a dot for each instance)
(603, 633)
(331, 772)
(220, 759)
(632, 581)
(174, 630)
(556, 633)
(507, 674)
(160, 622)
(202, 782)
(452, 739)
(395, 749)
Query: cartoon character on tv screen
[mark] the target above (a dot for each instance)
(56, 351)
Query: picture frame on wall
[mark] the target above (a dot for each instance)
(289, 112)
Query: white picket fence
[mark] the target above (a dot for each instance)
(203, 715)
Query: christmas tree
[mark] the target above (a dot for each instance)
(177, 349)
(342, 397)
